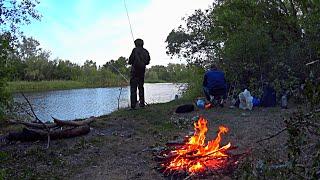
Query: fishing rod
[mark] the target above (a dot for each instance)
(125, 5)
(127, 12)
(124, 77)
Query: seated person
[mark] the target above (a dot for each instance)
(214, 84)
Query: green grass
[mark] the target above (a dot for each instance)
(60, 158)
(26, 86)
(36, 86)
(155, 81)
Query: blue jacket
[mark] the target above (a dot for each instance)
(214, 79)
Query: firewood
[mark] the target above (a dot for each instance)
(73, 123)
(34, 125)
(28, 134)
(175, 144)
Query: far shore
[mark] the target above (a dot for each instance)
(39, 86)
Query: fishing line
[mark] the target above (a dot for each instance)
(127, 12)
(125, 5)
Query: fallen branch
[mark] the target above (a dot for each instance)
(43, 124)
(272, 136)
(311, 113)
(34, 125)
(31, 108)
(73, 123)
(312, 62)
(28, 134)
(299, 122)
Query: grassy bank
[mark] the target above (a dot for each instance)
(113, 139)
(120, 145)
(154, 81)
(35, 86)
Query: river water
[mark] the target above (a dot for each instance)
(83, 103)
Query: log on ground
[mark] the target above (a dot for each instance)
(74, 123)
(34, 125)
(33, 135)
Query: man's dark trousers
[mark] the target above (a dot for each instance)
(136, 82)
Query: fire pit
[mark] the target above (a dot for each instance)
(194, 157)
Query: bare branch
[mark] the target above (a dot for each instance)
(272, 136)
(43, 124)
(32, 110)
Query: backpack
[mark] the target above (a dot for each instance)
(269, 97)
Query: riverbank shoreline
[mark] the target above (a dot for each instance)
(120, 145)
(20, 160)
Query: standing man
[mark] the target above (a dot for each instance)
(138, 60)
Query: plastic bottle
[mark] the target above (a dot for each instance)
(284, 102)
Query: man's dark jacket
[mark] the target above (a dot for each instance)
(214, 79)
(139, 58)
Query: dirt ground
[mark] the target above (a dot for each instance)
(120, 145)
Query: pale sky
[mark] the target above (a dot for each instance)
(98, 30)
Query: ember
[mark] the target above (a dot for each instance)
(194, 157)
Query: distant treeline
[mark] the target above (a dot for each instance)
(28, 62)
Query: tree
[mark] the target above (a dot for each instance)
(121, 65)
(13, 14)
(253, 41)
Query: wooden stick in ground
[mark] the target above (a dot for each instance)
(119, 97)
(126, 79)
(43, 124)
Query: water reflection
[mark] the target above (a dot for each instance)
(83, 103)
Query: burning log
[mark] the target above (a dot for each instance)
(195, 158)
(28, 134)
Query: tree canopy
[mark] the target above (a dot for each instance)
(13, 14)
(253, 41)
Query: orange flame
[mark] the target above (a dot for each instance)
(195, 156)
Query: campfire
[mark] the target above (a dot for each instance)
(195, 157)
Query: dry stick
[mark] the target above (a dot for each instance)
(44, 125)
(311, 113)
(272, 136)
(31, 108)
(311, 63)
(282, 130)
(31, 115)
